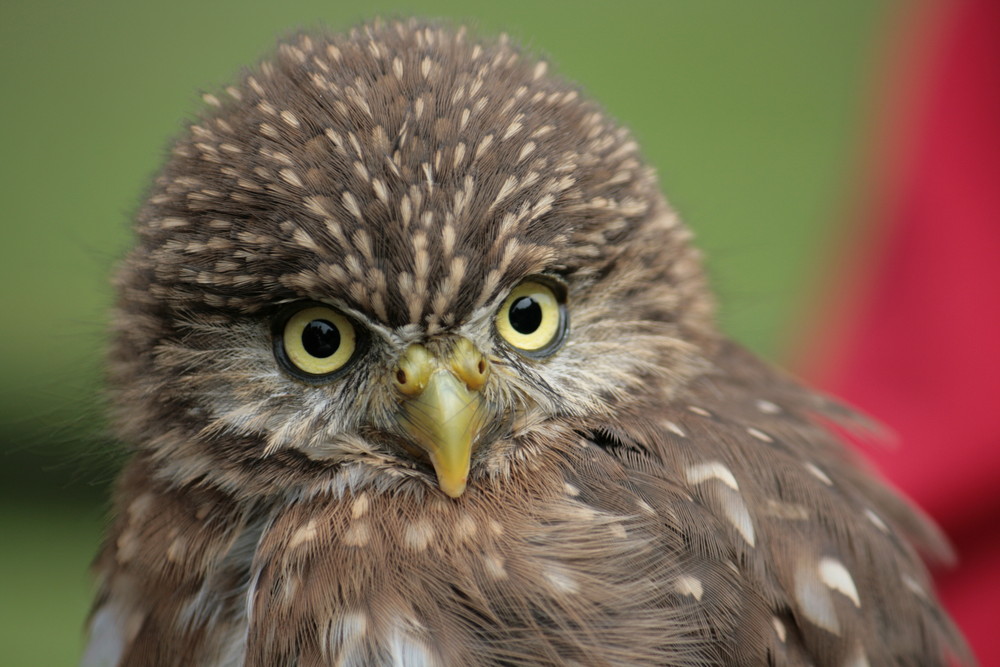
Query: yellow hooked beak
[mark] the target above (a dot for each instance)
(442, 409)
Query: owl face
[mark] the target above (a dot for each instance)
(398, 280)
(393, 404)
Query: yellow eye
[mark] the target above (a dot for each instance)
(315, 341)
(532, 319)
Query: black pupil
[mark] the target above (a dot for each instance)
(320, 338)
(525, 315)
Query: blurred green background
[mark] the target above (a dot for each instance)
(751, 111)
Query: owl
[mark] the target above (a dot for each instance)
(417, 366)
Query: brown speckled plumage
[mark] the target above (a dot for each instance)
(646, 493)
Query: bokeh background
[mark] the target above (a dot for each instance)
(754, 114)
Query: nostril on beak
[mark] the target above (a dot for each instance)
(477, 378)
(413, 370)
(469, 364)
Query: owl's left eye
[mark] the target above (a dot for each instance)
(533, 318)
(315, 342)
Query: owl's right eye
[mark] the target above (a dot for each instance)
(315, 342)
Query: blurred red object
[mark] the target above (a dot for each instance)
(915, 341)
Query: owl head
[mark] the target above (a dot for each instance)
(397, 258)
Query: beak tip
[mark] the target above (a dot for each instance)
(452, 489)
